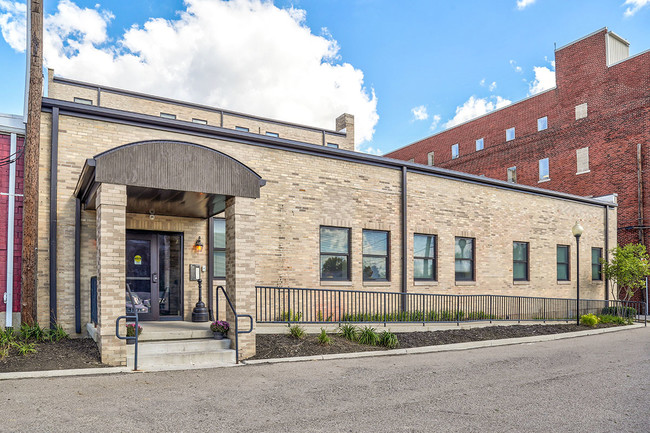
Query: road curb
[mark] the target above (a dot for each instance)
(447, 347)
(64, 373)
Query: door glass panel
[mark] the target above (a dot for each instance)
(138, 275)
(170, 254)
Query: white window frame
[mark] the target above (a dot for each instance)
(482, 144)
(456, 148)
(548, 170)
(545, 124)
(508, 131)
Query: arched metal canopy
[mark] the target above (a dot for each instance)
(169, 178)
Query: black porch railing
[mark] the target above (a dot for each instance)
(303, 305)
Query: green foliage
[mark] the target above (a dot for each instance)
(589, 320)
(628, 269)
(290, 316)
(368, 336)
(609, 318)
(297, 332)
(31, 332)
(24, 347)
(7, 336)
(323, 338)
(388, 339)
(621, 311)
(348, 332)
(417, 316)
(4, 350)
(55, 334)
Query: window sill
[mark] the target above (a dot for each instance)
(465, 283)
(565, 283)
(521, 283)
(336, 283)
(425, 283)
(377, 283)
(583, 172)
(544, 180)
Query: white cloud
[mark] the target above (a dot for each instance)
(12, 24)
(371, 150)
(635, 6)
(492, 86)
(515, 67)
(420, 113)
(544, 80)
(435, 120)
(522, 4)
(243, 55)
(475, 107)
(482, 82)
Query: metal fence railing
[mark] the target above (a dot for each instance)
(93, 300)
(303, 305)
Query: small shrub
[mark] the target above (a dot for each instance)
(290, 316)
(368, 336)
(296, 331)
(388, 339)
(323, 338)
(348, 332)
(589, 320)
(24, 348)
(4, 351)
(628, 312)
(130, 330)
(220, 326)
(31, 332)
(7, 336)
(55, 334)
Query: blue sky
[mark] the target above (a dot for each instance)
(445, 59)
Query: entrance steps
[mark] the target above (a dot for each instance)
(179, 344)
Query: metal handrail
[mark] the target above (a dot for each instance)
(237, 316)
(137, 326)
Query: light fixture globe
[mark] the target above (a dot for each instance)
(577, 229)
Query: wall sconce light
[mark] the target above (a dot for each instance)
(198, 246)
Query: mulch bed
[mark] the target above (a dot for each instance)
(60, 355)
(283, 345)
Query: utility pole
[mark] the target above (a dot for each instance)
(32, 151)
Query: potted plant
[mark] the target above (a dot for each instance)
(219, 329)
(130, 332)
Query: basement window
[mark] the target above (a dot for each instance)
(83, 101)
(454, 151)
(168, 116)
(272, 134)
(200, 121)
(510, 134)
(241, 128)
(479, 144)
(332, 145)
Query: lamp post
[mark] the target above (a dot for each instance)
(577, 231)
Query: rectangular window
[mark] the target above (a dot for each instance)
(563, 263)
(219, 249)
(375, 255)
(272, 134)
(83, 101)
(334, 254)
(168, 116)
(520, 261)
(200, 121)
(581, 111)
(512, 174)
(424, 258)
(582, 160)
(464, 255)
(454, 151)
(241, 128)
(479, 144)
(332, 145)
(596, 266)
(542, 123)
(510, 134)
(430, 159)
(543, 169)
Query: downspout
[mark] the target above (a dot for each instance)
(77, 265)
(54, 165)
(639, 181)
(11, 196)
(211, 269)
(404, 230)
(607, 249)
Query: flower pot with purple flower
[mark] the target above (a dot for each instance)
(130, 332)
(219, 329)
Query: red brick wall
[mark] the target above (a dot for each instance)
(618, 99)
(16, 250)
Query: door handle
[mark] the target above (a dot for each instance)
(154, 277)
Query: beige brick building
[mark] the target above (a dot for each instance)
(127, 192)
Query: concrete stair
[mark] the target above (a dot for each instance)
(193, 353)
(176, 345)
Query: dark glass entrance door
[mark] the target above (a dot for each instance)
(154, 274)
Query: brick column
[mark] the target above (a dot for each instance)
(111, 270)
(240, 267)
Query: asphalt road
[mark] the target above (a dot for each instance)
(591, 384)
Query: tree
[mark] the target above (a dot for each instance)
(627, 270)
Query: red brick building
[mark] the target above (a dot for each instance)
(589, 135)
(12, 135)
